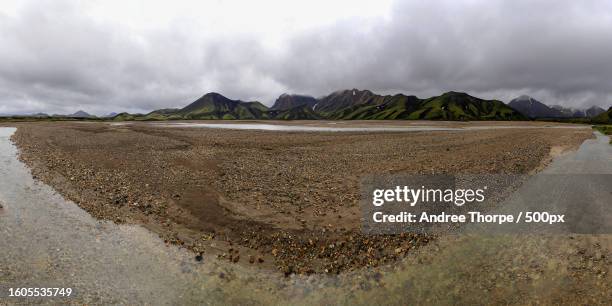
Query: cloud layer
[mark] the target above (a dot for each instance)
(103, 56)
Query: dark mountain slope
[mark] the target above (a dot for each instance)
(286, 102)
(303, 112)
(461, 106)
(605, 117)
(533, 108)
(340, 100)
(81, 114)
(381, 107)
(216, 106)
(594, 111)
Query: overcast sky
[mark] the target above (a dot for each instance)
(58, 56)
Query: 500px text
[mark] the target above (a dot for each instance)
(472, 216)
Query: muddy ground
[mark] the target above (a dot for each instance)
(284, 201)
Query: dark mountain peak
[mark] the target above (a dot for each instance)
(458, 97)
(594, 111)
(524, 98)
(216, 106)
(455, 93)
(213, 96)
(351, 92)
(527, 100)
(80, 114)
(455, 105)
(289, 101)
(533, 108)
(344, 99)
(207, 101)
(595, 107)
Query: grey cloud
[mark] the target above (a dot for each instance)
(55, 60)
(553, 49)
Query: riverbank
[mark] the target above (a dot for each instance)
(283, 201)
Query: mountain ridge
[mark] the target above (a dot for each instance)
(535, 109)
(348, 104)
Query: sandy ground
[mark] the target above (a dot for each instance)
(283, 201)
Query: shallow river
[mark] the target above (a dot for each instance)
(336, 128)
(46, 241)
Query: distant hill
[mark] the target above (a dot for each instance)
(343, 99)
(124, 117)
(533, 108)
(287, 101)
(164, 114)
(569, 112)
(605, 117)
(594, 111)
(216, 106)
(461, 106)
(80, 114)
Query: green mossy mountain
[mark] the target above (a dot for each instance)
(380, 108)
(604, 118)
(216, 106)
(124, 117)
(350, 104)
(303, 112)
(461, 106)
(363, 105)
(287, 102)
(338, 101)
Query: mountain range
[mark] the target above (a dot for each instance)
(535, 109)
(340, 105)
(355, 104)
